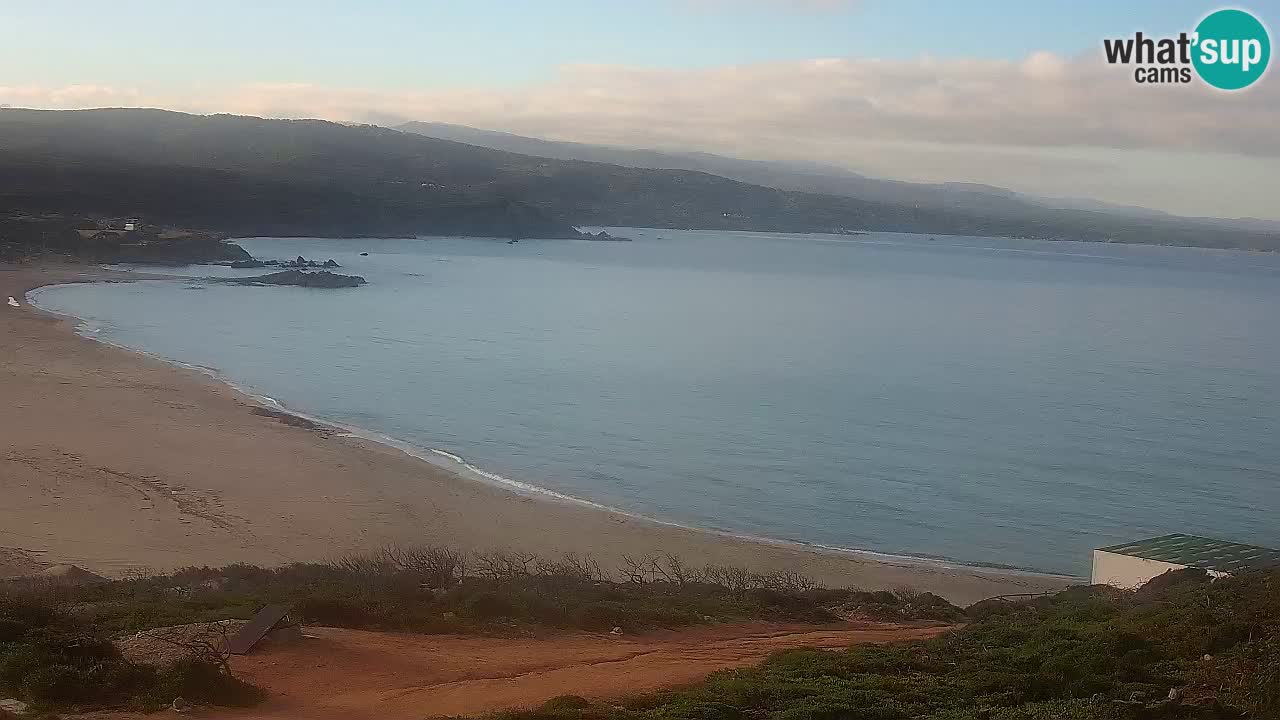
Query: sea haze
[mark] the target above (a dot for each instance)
(986, 401)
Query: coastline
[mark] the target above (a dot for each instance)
(125, 463)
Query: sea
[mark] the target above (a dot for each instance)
(965, 400)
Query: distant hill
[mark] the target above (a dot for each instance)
(801, 176)
(817, 178)
(244, 175)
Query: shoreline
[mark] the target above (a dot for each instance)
(452, 462)
(479, 514)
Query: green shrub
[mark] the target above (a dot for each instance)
(333, 611)
(203, 681)
(1082, 654)
(52, 659)
(426, 590)
(566, 702)
(489, 605)
(54, 684)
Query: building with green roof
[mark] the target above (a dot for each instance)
(1132, 564)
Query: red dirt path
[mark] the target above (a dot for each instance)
(352, 674)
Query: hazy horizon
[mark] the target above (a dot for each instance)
(1003, 95)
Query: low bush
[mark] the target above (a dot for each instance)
(1180, 648)
(55, 652)
(52, 659)
(438, 590)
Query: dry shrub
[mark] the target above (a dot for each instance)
(572, 567)
(504, 564)
(429, 565)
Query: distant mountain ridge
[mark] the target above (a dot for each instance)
(252, 176)
(809, 177)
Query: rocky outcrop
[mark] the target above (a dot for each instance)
(604, 236)
(297, 278)
(243, 264)
(302, 263)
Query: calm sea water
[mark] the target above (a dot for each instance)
(987, 401)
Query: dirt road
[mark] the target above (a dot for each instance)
(351, 674)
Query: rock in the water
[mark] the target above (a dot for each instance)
(322, 279)
(302, 263)
(604, 236)
(241, 264)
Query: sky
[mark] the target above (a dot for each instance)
(1013, 94)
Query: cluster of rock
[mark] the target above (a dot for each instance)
(299, 262)
(1139, 705)
(602, 235)
(298, 278)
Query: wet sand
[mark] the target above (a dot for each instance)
(123, 464)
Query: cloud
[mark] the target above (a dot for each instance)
(70, 96)
(1006, 122)
(1041, 101)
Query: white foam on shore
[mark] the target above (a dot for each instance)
(460, 466)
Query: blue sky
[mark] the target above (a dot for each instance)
(655, 73)
(393, 44)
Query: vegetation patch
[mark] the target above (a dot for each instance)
(441, 590)
(56, 646)
(1183, 647)
(52, 659)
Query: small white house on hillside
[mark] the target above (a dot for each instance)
(1129, 566)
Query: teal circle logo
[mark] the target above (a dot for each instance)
(1232, 49)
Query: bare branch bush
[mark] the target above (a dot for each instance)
(788, 581)
(206, 644)
(368, 564)
(657, 568)
(736, 579)
(504, 564)
(571, 566)
(434, 566)
(439, 567)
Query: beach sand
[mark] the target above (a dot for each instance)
(124, 464)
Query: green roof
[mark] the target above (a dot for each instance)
(1200, 552)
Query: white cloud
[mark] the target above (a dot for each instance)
(1043, 100)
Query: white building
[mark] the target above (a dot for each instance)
(1132, 564)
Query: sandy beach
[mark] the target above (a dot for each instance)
(124, 464)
